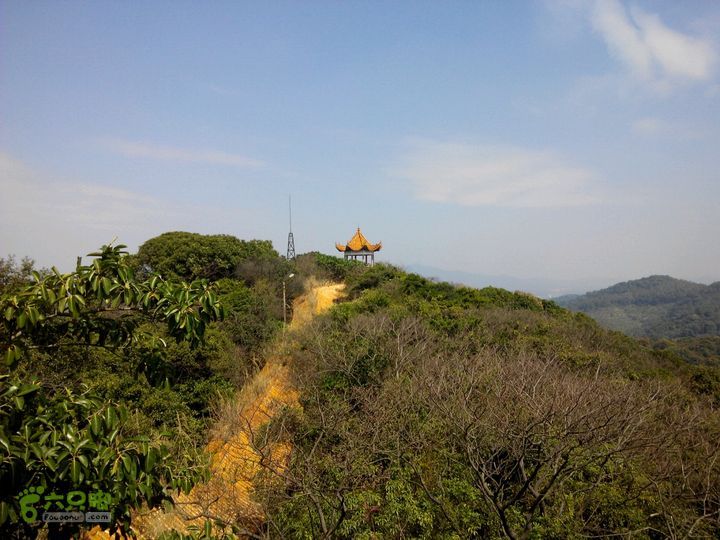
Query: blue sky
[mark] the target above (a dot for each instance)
(569, 140)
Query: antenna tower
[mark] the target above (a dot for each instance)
(291, 240)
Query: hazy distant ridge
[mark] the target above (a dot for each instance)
(655, 306)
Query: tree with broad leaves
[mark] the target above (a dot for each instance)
(73, 440)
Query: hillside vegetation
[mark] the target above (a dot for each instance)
(654, 307)
(434, 411)
(424, 410)
(112, 371)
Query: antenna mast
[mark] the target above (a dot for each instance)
(291, 240)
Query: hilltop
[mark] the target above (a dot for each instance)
(655, 307)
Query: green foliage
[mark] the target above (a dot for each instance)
(67, 441)
(268, 268)
(703, 350)
(195, 256)
(99, 324)
(327, 267)
(436, 411)
(371, 277)
(706, 381)
(254, 313)
(102, 305)
(413, 285)
(14, 274)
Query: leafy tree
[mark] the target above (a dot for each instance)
(192, 256)
(253, 317)
(63, 440)
(14, 274)
(102, 305)
(76, 442)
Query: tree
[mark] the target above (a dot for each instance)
(193, 256)
(102, 305)
(13, 274)
(73, 441)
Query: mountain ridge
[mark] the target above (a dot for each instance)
(656, 306)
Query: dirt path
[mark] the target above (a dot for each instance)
(319, 300)
(234, 463)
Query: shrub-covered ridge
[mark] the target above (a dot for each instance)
(436, 411)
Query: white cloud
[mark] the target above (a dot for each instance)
(481, 175)
(27, 197)
(54, 220)
(650, 50)
(171, 153)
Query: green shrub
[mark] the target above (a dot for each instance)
(99, 325)
(191, 256)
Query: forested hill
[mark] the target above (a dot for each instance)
(655, 306)
(424, 410)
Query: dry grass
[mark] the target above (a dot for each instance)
(320, 298)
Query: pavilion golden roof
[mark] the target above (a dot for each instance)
(359, 243)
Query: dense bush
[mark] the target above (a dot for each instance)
(76, 442)
(101, 339)
(192, 256)
(63, 335)
(253, 317)
(696, 350)
(326, 267)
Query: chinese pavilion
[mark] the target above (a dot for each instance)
(358, 247)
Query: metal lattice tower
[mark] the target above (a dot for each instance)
(291, 239)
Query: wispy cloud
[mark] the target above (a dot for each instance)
(648, 48)
(29, 197)
(652, 126)
(54, 220)
(181, 155)
(484, 175)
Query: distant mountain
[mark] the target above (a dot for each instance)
(655, 306)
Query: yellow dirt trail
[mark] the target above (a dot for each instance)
(235, 461)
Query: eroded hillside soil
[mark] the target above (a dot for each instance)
(235, 459)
